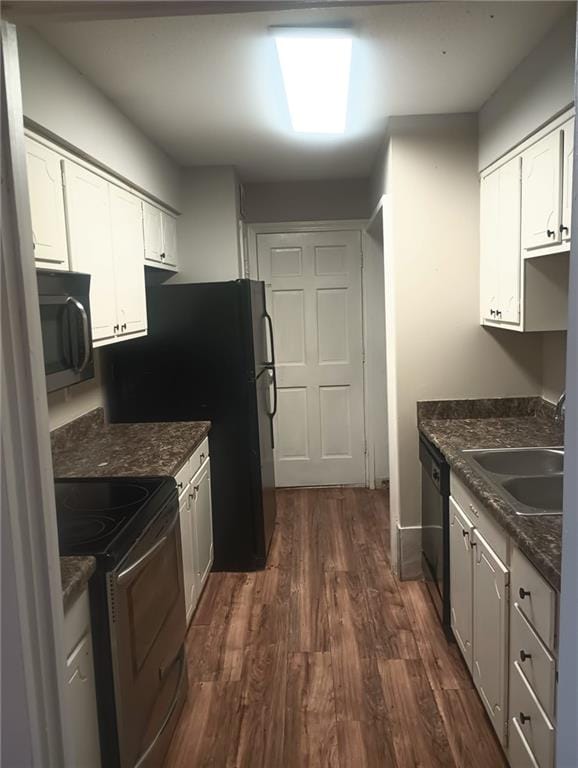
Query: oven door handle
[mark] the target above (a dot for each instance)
(85, 332)
(133, 568)
(170, 712)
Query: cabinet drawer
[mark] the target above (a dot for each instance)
(533, 722)
(200, 456)
(519, 751)
(534, 659)
(535, 598)
(480, 518)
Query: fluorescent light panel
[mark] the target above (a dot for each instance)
(315, 65)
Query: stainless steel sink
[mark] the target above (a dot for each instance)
(541, 493)
(522, 462)
(530, 479)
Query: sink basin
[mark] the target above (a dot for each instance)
(522, 462)
(542, 494)
(531, 479)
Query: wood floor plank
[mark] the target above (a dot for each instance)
(358, 693)
(472, 746)
(215, 650)
(444, 665)
(365, 745)
(418, 734)
(208, 706)
(310, 738)
(393, 634)
(308, 624)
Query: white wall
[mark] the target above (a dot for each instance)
(329, 199)
(59, 98)
(207, 230)
(68, 404)
(540, 87)
(436, 348)
(553, 365)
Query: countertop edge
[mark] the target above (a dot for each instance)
(463, 470)
(75, 573)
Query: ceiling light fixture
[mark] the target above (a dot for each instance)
(315, 65)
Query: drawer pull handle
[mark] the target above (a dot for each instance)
(180, 485)
(524, 655)
(550, 233)
(523, 593)
(202, 457)
(524, 718)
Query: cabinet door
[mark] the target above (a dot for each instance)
(541, 192)
(153, 232)
(46, 193)
(189, 570)
(169, 224)
(489, 245)
(490, 639)
(203, 521)
(89, 226)
(461, 533)
(81, 704)
(128, 250)
(509, 252)
(567, 171)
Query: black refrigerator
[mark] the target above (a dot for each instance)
(209, 355)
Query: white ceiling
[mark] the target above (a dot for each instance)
(207, 89)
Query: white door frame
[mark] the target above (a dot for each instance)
(34, 722)
(356, 225)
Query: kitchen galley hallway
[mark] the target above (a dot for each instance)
(325, 658)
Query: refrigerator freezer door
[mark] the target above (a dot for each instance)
(264, 405)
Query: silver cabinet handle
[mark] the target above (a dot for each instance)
(85, 332)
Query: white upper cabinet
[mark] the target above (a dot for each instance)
(89, 227)
(127, 246)
(169, 239)
(160, 237)
(541, 192)
(153, 233)
(106, 240)
(46, 206)
(500, 260)
(567, 171)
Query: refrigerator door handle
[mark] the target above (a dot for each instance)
(271, 363)
(274, 411)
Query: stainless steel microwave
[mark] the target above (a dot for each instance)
(65, 321)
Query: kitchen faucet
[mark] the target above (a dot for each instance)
(561, 407)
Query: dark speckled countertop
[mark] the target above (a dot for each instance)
(88, 447)
(502, 423)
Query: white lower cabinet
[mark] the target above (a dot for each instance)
(80, 685)
(203, 521)
(479, 604)
(503, 616)
(196, 524)
(490, 632)
(461, 580)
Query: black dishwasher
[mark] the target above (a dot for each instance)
(435, 537)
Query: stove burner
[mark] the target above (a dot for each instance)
(87, 530)
(104, 498)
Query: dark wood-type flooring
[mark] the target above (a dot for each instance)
(325, 658)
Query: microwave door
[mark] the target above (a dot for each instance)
(66, 341)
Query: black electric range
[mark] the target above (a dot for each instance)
(137, 607)
(105, 517)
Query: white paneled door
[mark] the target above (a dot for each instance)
(313, 284)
